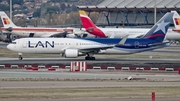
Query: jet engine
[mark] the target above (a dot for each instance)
(9, 36)
(71, 53)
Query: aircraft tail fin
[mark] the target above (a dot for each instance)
(86, 21)
(6, 20)
(159, 30)
(89, 25)
(176, 20)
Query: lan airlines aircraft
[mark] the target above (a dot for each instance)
(75, 47)
(9, 26)
(119, 32)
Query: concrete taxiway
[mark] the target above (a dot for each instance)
(111, 61)
(91, 75)
(67, 60)
(18, 73)
(3, 44)
(99, 62)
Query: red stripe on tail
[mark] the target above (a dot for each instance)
(176, 20)
(4, 19)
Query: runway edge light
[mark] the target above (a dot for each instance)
(153, 96)
(179, 71)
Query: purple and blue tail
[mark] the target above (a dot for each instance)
(159, 30)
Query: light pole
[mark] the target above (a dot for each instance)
(11, 9)
(154, 11)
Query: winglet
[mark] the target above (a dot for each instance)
(121, 43)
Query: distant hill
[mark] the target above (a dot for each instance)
(48, 12)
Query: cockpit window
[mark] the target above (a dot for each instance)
(13, 43)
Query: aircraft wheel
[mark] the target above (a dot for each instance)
(20, 58)
(89, 58)
(86, 58)
(93, 58)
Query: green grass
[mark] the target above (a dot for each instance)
(89, 92)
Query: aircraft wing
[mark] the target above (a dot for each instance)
(57, 34)
(63, 34)
(96, 49)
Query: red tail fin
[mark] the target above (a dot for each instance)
(86, 21)
(89, 25)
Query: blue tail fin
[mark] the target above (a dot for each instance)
(159, 30)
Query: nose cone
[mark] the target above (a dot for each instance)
(9, 46)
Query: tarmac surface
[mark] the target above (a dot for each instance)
(99, 62)
(19, 73)
(169, 76)
(164, 76)
(173, 50)
(3, 44)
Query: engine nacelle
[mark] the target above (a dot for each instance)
(71, 53)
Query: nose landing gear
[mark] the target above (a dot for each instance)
(20, 56)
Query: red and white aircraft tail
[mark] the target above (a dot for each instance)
(176, 20)
(6, 20)
(89, 25)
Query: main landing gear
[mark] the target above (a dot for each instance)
(90, 57)
(20, 56)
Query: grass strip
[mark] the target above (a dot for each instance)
(85, 79)
(89, 92)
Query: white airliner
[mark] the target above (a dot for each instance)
(119, 32)
(75, 47)
(9, 26)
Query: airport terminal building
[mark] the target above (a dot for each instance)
(131, 12)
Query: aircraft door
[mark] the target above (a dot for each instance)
(31, 35)
(24, 44)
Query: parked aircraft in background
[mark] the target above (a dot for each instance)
(119, 32)
(75, 47)
(176, 20)
(10, 27)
